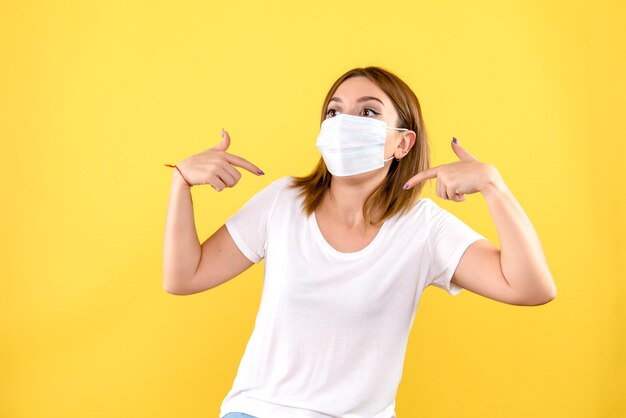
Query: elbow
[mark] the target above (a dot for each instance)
(170, 287)
(543, 301)
(543, 297)
(551, 293)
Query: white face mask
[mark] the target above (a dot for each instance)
(353, 144)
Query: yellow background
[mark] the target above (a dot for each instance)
(96, 96)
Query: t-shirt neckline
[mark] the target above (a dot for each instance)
(329, 249)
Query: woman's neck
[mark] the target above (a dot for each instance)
(347, 196)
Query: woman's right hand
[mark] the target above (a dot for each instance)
(215, 166)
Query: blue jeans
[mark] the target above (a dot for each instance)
(238, 415)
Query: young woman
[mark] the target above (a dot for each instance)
(348, 252)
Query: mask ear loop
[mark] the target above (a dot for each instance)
(397, 129)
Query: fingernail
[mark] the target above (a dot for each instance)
(260, 172)
(454, 140)
(406, 186)
(223, 133)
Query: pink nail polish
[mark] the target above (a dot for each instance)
(223, 133)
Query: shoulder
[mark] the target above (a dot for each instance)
(429, 208)
(285, 185)
(268, 194)
(282, 186)
(425, 213)
(277, 190)
(423, 207)
(276, 186)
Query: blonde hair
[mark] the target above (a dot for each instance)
(389, 196)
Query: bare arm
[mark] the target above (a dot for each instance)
(189, 267)
(518, 272)
(221, 261)
(181, 246)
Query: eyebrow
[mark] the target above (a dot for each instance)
(362, 99)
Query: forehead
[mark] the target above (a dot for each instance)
(355, 87)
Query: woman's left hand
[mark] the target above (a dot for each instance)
(466, 176)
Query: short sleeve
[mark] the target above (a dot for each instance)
(448, 239)
(249, 225)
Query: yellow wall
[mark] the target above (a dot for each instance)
(96, 96)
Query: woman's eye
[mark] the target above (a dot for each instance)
(366, 112)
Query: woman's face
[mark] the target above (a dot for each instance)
(359, 96)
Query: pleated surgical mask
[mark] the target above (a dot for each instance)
(353, 145)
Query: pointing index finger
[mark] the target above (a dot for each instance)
(243, 163)
(430, 173)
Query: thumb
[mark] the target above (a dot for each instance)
(223, 146)
(460, 151)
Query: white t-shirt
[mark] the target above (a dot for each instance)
(331, 332)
